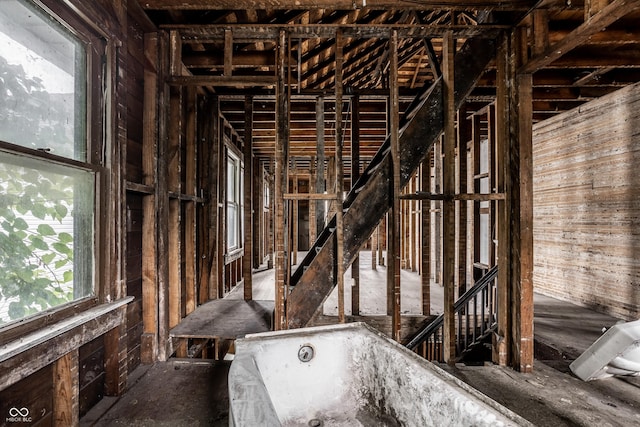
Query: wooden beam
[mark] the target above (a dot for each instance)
(355, 174)
(449, 208)
(393, 249)
(601, 20)
(222, 81)
(190, 161)
(339, 171)
(149, 340)
(425, 234)
(228, 53)
(505, 80)
(280, 186)
(247, 259)
(320, 180)
(332, 4)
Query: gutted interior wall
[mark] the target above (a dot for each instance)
(586, 204)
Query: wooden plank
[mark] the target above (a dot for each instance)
(248, 226)
(222, 81)
(540, 31)
(228, 53)
(448, 209)
(174, 261)
(66, 390)
(175, 53)
(605, 17)
(339, 171)
(226, 319)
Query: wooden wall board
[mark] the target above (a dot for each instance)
(586, 208)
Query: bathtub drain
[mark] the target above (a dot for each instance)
(315, 423)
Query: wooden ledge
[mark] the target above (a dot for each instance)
(25, 355)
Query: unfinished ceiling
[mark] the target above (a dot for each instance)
(229, 47)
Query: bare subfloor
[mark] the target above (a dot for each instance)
(194, 392)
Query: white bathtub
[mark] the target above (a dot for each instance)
(348, 375)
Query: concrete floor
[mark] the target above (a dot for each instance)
(194, 393)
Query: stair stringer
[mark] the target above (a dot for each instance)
(365, 209)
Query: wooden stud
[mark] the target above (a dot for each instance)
(425, 259)
(339, 176)
(320, 181)
(522, 220)
(448, 211)
(247, 259)
(191, 102)
(464, 135)
(502, 336)
(355, 175)
(149, 345)
(541, 31)
(280, 186)
(295, 229)
(393, 249)
(175, 53)
(162, 198)
(66, 389)
(228, 53)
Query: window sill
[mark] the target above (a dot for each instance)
(23, 344)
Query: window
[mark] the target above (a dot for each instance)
(47, 182)
(235, 193)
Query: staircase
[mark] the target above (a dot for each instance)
(475, 318)
(370, 197)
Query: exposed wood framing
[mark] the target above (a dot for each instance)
(522, 219)
(598, 22)
(280, 187)
(66, 386)
(449, 209)
(425, 235)
(190, 189)
(249, 228)
(149, 343)
(355, 174)
(339, 177)
(393, 247)
(505, 79)
(320, 181)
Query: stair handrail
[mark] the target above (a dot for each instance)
(479, 286)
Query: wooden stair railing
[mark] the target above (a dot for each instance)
(475, 317)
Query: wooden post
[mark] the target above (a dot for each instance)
(162, 199)
(320, 183)
(339, 177)
(280, 185)
(247, 259)
(173, 184)
(448, 210)
(522, 220)
(149, 339)
(464, 135)
(505, 79)
(312, 203)
(393, 249)
(294, 223)
(355, 175)
(191, 102)
(66, 390)
(425, 277)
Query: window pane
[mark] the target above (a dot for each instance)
(232, 226)
(46, 235)
(42, 81)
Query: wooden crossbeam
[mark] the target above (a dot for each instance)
(598, 22)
